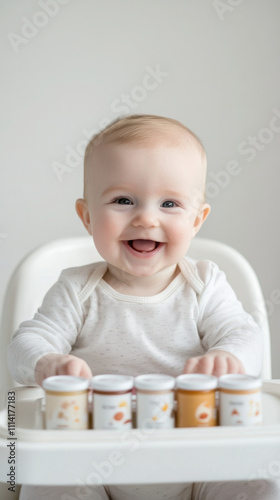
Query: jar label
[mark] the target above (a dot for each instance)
(67, 412)
(112, 411)
(240, 409)
(155, 411)
(196, 409)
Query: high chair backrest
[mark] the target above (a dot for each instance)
(37, 272)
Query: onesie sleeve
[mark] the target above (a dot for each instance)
(223, 324)
(53, 329)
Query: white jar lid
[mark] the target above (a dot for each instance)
(239, 382)
(154, 382)
(111, 383)
(65, 383)
(196, 382)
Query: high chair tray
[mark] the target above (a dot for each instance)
(138, 456)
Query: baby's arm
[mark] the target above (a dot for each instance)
(232, 341)
(214, 363)
(42, 346)
(60, 364)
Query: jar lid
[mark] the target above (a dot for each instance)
(154, 382)
(109, 383)
(65, 383)
(197, 382)
(239, 382)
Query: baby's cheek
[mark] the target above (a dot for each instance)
(105, 235)
(181, 233)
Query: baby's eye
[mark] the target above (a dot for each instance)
(123, 201)
(169, 204)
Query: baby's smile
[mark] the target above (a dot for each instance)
(140, 246)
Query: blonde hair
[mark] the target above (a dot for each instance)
(142, 130)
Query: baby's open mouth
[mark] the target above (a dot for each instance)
(143, 245)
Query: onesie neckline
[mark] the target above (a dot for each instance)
(188, 273)
(158, 297)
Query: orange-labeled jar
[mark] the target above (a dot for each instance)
(155, 401)
(196, 400)
(112, 401)
(66, 402)
(240, 400)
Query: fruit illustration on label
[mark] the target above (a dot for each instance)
(119, 415)
(61, 415)
(122, 404)
(160, 412)
(203, 414)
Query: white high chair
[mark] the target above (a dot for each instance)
(32, 278)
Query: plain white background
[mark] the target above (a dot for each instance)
(71, 66)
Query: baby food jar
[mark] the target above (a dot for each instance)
(112, 401)
(196, 400)
(240, 400)
(66, 402)
(155, 401)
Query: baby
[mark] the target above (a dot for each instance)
(147, 308)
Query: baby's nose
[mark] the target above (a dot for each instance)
(146, 218)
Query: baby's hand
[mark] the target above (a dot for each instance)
(214, 363)
(61, 364)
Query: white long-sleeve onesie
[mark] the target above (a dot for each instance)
(116, 333)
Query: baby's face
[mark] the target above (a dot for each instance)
(145, 204)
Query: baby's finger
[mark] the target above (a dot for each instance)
(205, 365)
(233, 365)
(190, 366)
(85, 371)
(71, 367)
(220, 366)
(241, 368)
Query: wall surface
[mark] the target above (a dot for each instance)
(70, 67)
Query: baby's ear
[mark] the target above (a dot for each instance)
(201, 216)
(83, 213)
